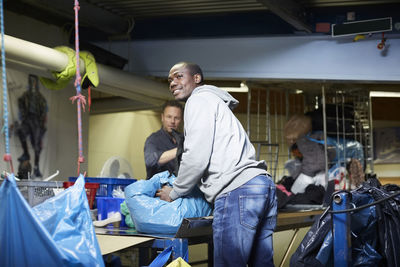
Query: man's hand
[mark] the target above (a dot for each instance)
(163, 193)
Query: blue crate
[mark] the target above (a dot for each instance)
(105, 205)
(107, 185)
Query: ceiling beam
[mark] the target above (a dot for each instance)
(290, 11)
(89, 15)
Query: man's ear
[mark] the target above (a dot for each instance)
(197, 78)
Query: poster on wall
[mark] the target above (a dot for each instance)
(387, 145)
(27, 114)
(31, 127)
(42, 129)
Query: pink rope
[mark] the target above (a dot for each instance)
(8, 158)
(80, 99)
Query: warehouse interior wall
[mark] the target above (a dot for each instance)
(60, 141)
(121, 134)
(388, 170)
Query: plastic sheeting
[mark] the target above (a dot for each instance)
(388, 225)
(375, 231)
(58, 232)
(347, 149)
(316, 247)
(344, 148)
(153, 215)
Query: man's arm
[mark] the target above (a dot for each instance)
(167, 156)
(153, 156)
(198, 145)
(151, 153)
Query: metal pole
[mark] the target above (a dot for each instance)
(325, 135)
(287, 117)
(258, 114)
(341, 231)
(276, 118)
(291, 243)
(337, 120)
(268, 117)
(276, 126)
(370, 157)
(344, 131)
(248, 111)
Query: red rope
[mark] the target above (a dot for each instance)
(89, 98)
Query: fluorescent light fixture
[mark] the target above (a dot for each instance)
(383, 94)
(242, 89)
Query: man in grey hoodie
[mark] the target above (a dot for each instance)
(219, 158)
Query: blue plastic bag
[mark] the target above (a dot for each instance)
(316, 249)
(153, 215)
(344, 148)
(347, 149)
(58, 232)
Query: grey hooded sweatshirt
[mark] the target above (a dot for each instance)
(217, 155)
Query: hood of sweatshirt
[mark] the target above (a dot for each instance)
(224, 95)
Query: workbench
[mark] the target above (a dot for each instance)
(192, 231)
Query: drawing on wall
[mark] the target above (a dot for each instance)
(32, 108)
(387, 145)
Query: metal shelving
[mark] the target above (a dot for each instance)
(270, 107)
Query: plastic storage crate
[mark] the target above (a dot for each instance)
(90, 188)
(35, 192)
(108, 205)
(107, 185)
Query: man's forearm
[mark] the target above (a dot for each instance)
(167, 156)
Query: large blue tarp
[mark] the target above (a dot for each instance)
(58, 232)
(152, 215)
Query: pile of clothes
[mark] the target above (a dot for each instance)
(308, 181)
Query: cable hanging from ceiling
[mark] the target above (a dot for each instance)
(7, 155)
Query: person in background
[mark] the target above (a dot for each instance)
(160, 149)
(219, 158)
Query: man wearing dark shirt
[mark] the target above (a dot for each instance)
(160, 149)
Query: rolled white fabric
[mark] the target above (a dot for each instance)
(301, 182)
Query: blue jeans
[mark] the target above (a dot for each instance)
(244, 220)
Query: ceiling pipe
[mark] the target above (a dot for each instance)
(23, 55)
